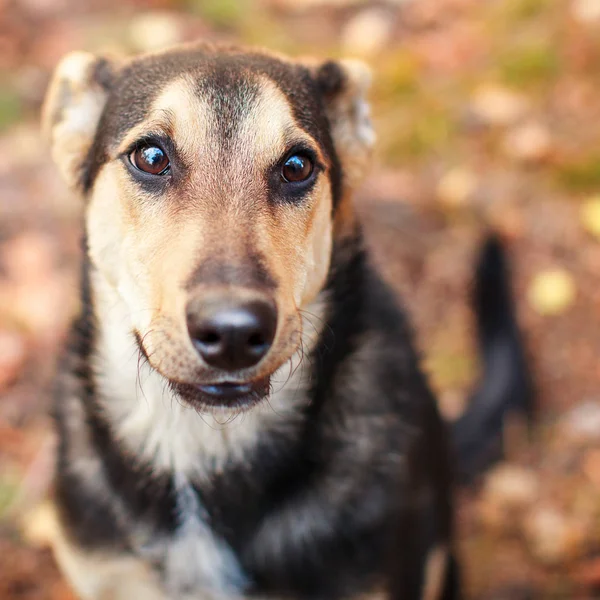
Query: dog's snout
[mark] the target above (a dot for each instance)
(232, 336)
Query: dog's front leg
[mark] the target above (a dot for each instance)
(101, 575)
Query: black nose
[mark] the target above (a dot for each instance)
(234, 336)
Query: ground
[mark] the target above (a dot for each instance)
(488, 115)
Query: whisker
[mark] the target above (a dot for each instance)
(326, 327)
(284, 383)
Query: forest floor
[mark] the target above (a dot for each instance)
(488, 116)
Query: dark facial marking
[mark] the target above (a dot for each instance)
(230, 91)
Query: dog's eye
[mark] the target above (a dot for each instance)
(150, 159)
(297, 167)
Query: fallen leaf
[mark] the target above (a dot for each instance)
(457, 187)
(12, 356)
(552, 537)
(582, 423)
(586, 11)
(591, 466)
(590, 216)
(498, 105)
(511, 487)
(367, 33)
(528, 143)
(552, 292)
(589, 572)
(152, 31)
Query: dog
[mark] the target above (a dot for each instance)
(241, 412)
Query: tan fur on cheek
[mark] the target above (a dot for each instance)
(318, 248)
(301, 238)
(175, 250)
(106, 225)
(128, 237)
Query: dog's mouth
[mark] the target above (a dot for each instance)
(230, 395)
(221, 394)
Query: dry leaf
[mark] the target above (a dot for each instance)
(552, 292)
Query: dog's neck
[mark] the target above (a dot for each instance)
(153, 424)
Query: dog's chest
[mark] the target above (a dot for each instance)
(193, 561)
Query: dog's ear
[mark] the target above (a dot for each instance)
(344, 85)
(72, 110)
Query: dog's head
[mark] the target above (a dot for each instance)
(215, 181)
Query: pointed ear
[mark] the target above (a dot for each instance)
(344, 85)
(72, 109)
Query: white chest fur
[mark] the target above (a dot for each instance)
(194, 558)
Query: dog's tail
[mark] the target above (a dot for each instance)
(505, 388)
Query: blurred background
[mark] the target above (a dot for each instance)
(488, 114)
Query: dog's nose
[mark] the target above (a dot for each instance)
(232, 337)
